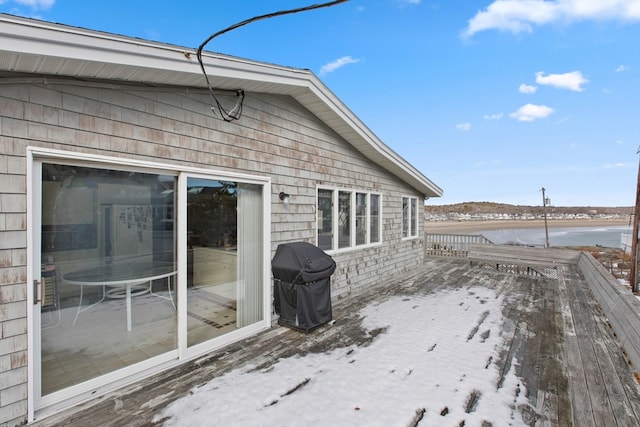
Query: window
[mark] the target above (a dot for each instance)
(361, 218)
(374, 217)
(346, 219)
(325, 219)
(409, 217)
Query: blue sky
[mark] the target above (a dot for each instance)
(492, 100)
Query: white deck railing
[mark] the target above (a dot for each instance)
(452, 245)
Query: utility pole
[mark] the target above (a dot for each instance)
(634, 237)
(545, 202)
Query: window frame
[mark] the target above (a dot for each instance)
(410, 217)
(351, 219)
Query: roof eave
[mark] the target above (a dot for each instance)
(37, 47)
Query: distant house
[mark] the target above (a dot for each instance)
(137, 227)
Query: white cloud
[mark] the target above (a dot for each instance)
(531, 112)
(572, 81)
(463, 127)
(614, 165)
(527, 88)
(487, 163)
(408, 2)
(338, 63)
(496, 116)
(36, 4)
(522, 15)
(622, 68)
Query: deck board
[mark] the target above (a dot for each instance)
(583, 318)
(611, 396)
(554, 335)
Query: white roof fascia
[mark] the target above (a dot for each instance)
(367, 142)
(38, 47)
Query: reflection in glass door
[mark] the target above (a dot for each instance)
(224, 255)
(107, 295)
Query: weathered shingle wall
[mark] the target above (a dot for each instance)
(13, 276)
(276, 137)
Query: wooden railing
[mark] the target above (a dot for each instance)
(522, 260)
(619, 305)
(452, 245)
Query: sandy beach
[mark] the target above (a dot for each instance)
(472, 227)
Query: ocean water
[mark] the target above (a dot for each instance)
(560, 236)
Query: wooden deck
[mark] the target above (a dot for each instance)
(555, 336)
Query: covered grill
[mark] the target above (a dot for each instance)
(302, 285)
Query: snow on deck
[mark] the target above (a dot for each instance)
(446, 345)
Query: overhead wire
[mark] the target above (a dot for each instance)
(236, 112)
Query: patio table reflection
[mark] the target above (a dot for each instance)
(135, 278)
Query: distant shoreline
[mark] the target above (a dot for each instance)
(473, 227)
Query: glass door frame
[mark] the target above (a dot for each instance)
(43, 405)
(186, 352)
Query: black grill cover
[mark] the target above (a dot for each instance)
(301, 262)
(302, 288)
(304, 306)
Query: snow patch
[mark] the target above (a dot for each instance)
(424, 367)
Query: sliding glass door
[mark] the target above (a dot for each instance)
(106, 295)
(224, 253)
(133, 269)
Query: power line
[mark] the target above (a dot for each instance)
(236, 112)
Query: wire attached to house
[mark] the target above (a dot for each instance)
(236, 112)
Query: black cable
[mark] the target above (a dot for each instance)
(236, 111)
